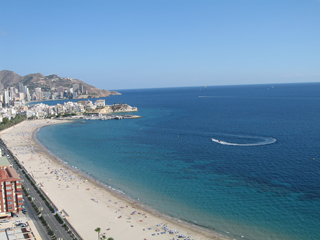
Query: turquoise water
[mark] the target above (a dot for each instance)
(260, 181)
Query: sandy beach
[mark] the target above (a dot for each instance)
(86, 204)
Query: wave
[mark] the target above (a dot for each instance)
(265, 141)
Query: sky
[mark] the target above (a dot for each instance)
(117, 44)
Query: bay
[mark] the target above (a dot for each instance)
(259, 179)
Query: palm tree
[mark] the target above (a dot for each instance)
(98, 231)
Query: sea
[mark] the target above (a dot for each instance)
(243, 161)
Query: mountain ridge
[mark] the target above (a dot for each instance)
(50, 83)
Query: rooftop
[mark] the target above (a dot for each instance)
(9, 174)
(4, 162)
(12, 173)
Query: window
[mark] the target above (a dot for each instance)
(8, 188)
(20, 201)
(7, 183)
(17, 181)
(9, 198)
(8, 193)
(10, 208)
(19, 196)
(9, 203)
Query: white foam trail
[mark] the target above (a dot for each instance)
(267, 140)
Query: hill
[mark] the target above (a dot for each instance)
(50, 83)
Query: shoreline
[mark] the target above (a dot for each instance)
(197, 232)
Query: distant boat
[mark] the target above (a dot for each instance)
(215, 140)
(83, 122)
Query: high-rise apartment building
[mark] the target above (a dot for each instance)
(12, 93)
(6, 98)
(10, 189)
(75, 87)
(60, 91)
(39, 93)
(20, 87)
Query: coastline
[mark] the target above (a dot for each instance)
(80, 204)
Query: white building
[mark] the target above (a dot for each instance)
(6, 98)
(100, 103)
(38, 93)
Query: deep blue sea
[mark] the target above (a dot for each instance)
(259, 179)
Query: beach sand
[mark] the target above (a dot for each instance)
(87, 205)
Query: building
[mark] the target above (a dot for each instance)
(6, 98)
(55, 95)
(100, 103)
(75, 87)
(18, 103)
(60, 91)
(10, 189)
(39, 93)
(59, 109)
(12, 93)
(47, 95)
(22, 96)
(89, 105)
(20, 87)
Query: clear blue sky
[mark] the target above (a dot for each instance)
(115, 44)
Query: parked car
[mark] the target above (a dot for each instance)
(5, 221)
